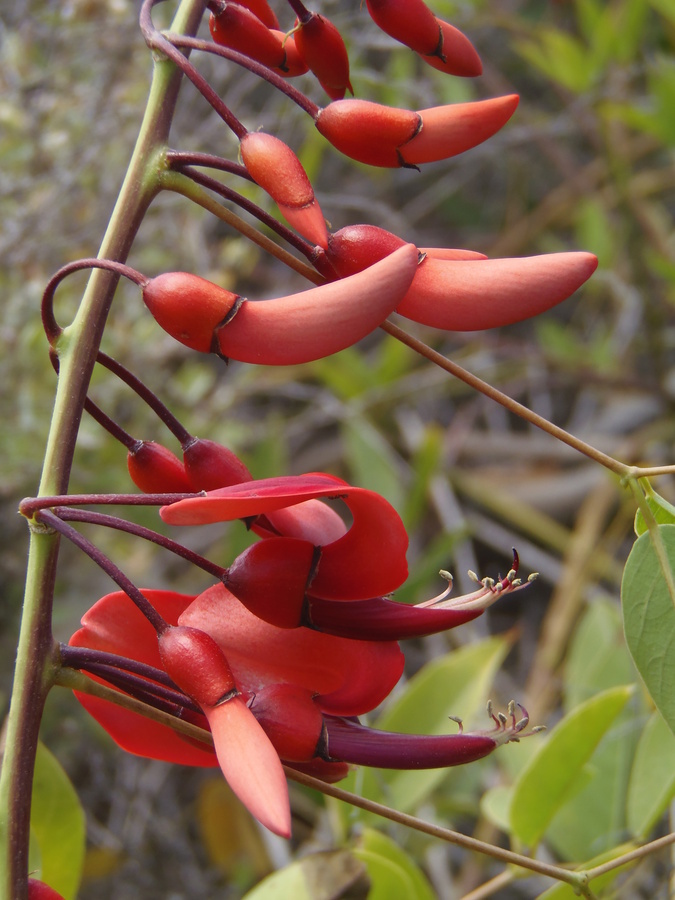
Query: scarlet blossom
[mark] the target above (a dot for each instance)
(461, 290)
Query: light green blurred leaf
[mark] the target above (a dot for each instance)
(560, 56)
(495, 805)
(318, 876)
(57, 825)
(663, 512)
(543, 785)
(652, 780)
(598, 658)
(456, 684)
(372, 460)
(373, 849)
(649, 618)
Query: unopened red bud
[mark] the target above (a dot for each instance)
(452, 129)
(188, 307)
(291, 720)
(156, 470)
(457, 55)
(262, 10)
(320, 45)
(239, 29)
(210, 466)
(409, 21)
(38, 890)
(197, 664)
(355, 247)
(275, 167)
(270, 579)
(368, 132)
(294, 64)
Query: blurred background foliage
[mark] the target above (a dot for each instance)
(586, 163)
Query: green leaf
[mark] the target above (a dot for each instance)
(663, 512)
(57, 825)
(372, 460)
(597, 658)
(495, 805)
(456, 684)
(649, 618)
(543, 785)
(652, 780)
(375, 848)
(319, 876)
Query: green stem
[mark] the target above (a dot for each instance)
(78, 345)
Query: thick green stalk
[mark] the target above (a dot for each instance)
(37, 661)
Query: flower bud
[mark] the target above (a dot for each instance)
(457, 55)
(275, 167)
(156, 470)
(368, 132)
(320, 45)
(262, 10)
(238, 28)
(210, 466)
(197, 664)
(409, 21)
(38, 890)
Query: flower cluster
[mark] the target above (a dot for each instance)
(293, 643)
(298, 636)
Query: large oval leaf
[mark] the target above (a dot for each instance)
(649, 618)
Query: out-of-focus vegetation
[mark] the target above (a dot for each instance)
(586, 163)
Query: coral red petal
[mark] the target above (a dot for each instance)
(457, 55)
(449, 130)
(250, 764)
(409, 21)
(474, 295)
(253, 498)
(311, 521)
(350, 677)
(321, 321)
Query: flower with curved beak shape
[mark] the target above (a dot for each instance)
(462, 290)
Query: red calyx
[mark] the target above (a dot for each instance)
(188, 307)
(368, 132)
(38, 890)
(156, 470)
(262, 10)
(321, 46)
(197, 664)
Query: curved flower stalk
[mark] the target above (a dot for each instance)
(285, 331)
(389, 137)
(461, 290)
(440, 44)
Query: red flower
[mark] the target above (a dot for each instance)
(284, 331)
(278, 666)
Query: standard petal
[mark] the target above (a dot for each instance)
(321, 321)
(474, 295)
(452, 129)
